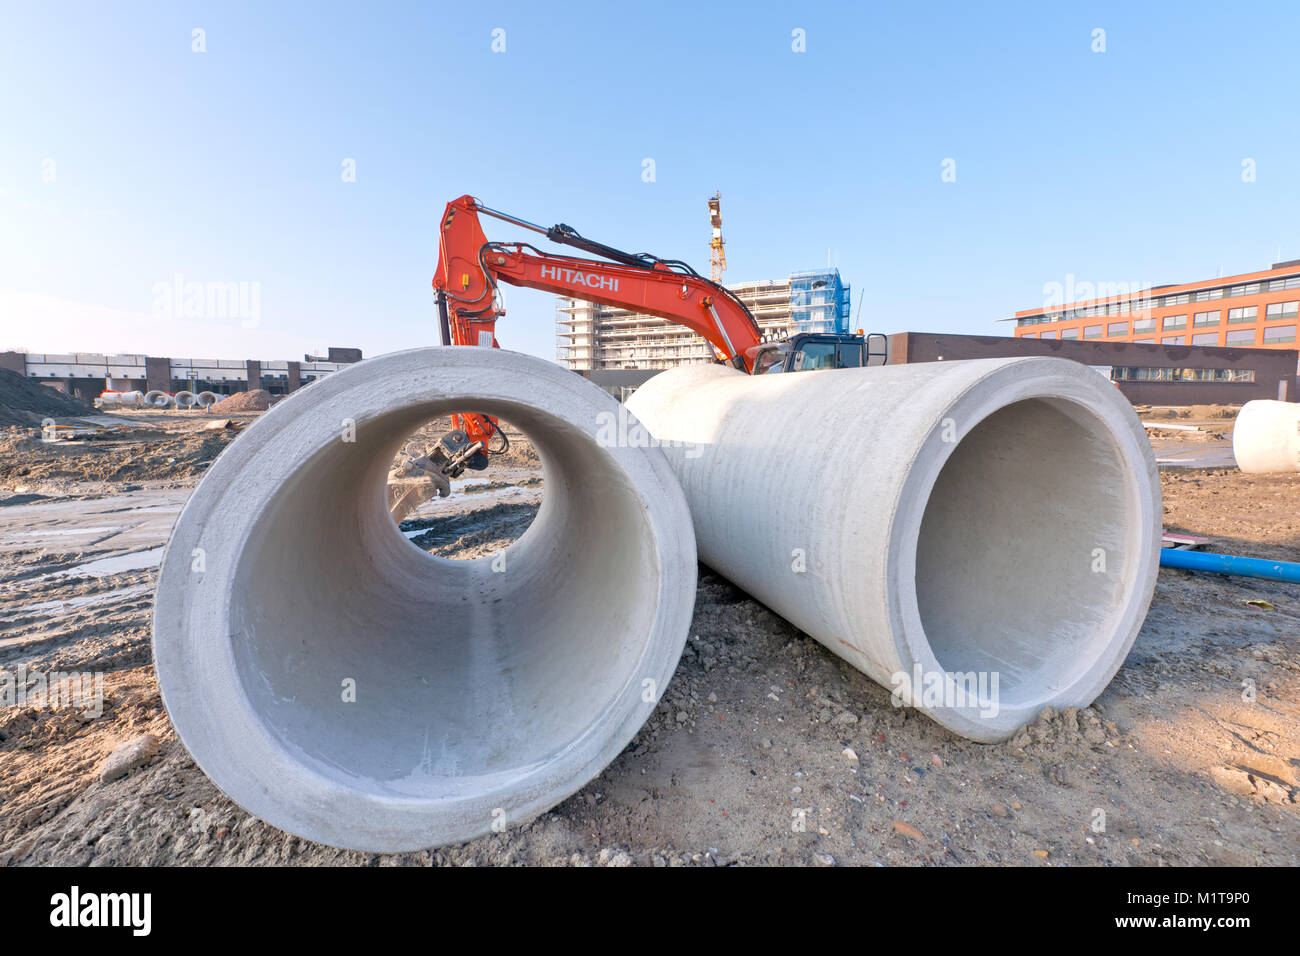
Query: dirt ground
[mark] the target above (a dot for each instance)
(766, 749)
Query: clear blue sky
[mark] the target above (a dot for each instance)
(226, 165)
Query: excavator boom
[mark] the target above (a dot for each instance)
(470, 268)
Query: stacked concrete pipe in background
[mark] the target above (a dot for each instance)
(341, 683)
(981, 537)
(132, 399)
(1266, 437)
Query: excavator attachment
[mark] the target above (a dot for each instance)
(413, 482)
(417, 480)
(455, 452)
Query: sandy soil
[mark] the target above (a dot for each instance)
(154, 447)
(766, 749)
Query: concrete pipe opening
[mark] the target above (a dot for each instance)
(344, 685)
(979, 537)
(1023, 559)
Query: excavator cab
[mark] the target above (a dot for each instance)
(812, 351)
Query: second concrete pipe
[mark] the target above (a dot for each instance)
(980, 537)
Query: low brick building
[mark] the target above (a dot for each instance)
(86, 375)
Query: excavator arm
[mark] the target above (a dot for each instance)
(471, 268)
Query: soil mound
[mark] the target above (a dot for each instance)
(25, 401)
(258, 400)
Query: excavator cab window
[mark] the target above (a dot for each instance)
(770, 360)
(814, 355)
(848, 354)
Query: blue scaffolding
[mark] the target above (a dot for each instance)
(819, 301)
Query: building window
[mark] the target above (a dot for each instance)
(1241, 337)
(1117, 329)
(1139, 374)
(1049, 335)
(1069, 333)
(1148, 341)
(1203, 319)
(1277, 285)
(1144, 325)
(1281, 310)
(1175, 322)
(1172, 340)
(1092, 331)
(1246, 313)
(1205, 295)
(1177, 299)
(1206, 338)
(1251, 288)
(1279, 333)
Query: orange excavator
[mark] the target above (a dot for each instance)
(467, 290)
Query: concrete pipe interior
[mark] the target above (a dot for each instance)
(463, 673)
(1007, 579)
(347, 686)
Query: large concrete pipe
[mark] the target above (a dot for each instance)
(112, 399)
(981, 537)
(1266, 437)
(344, 685)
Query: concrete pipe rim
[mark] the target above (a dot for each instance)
(1097, 410)
(204, 670)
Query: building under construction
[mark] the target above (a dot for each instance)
(591, 337)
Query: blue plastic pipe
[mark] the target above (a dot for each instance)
(1230, 564)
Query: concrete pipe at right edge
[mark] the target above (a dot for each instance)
(1266, 437)
(980, 537)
